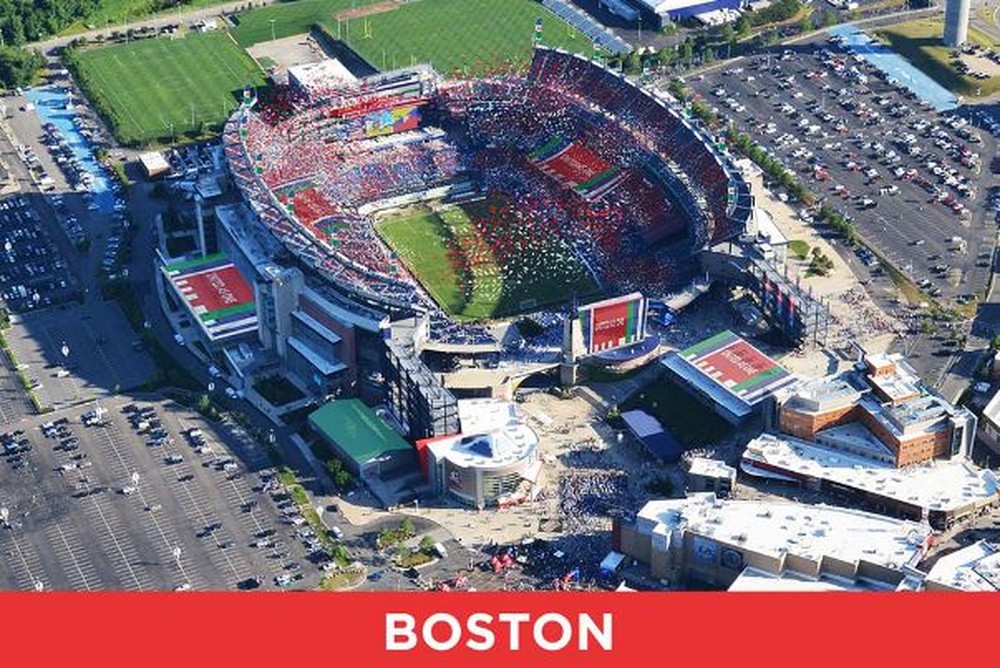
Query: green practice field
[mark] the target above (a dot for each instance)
(448, 255)
(455, 35)
(159, 88)
(289, 18)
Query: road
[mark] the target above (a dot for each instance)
(187, 17)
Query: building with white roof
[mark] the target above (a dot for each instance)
(972, 568)
(756, 580)
(319, 76)
(940, 492)
(702, 539)
(493, 461)
(673, 10)
(710, 475)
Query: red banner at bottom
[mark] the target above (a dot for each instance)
(578, 630)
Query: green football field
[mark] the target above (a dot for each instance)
(455, 35)
(159, 88)
(450, 258)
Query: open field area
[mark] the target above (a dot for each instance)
(162, 88)
(115, 13)
(290, 18)
(920, 43)
(418, 32)
(454, 262)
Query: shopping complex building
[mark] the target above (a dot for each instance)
(876, 437)
(940, 492)
(879, 409)
(705, 541)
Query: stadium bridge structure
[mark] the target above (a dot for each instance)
(617, 174)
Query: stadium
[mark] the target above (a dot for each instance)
(476, 200)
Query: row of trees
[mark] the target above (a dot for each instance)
(841, 224)
(23, 21)
(771, 165)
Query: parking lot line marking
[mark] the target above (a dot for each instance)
(118, 546)
(24, 562)
(72, 556)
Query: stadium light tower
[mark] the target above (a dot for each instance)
(956, 22)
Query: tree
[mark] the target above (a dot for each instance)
(342, 479)
(18, 66)
(426, 544)
(631, 62)
(743, 26)
(728, 34)
(828, 18)
(406, 526)
(687, 50)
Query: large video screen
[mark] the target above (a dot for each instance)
(389, 121)
(613, 323)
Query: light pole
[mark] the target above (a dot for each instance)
(272, 30)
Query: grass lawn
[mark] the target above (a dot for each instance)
(342, 580)
(920, 43)
(159, 89)
(290, 18)
(492, 31)
(143, 87)
(799, 247)
(690, 421)
(412, 559)
(439, 249)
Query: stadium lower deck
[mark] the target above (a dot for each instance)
(577, 170)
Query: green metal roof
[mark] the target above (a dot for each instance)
(356, 430)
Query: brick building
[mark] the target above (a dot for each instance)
(880, 409)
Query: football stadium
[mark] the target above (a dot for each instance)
(470, 200)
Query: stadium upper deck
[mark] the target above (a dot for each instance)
(619, 175)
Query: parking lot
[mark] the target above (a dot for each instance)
(127, 498)
(78, 352)
(33, 274)
(912, 180)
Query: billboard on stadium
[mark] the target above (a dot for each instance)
(214, 291)
(613, 323)
(394, 119)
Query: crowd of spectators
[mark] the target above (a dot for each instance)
(311, 169)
